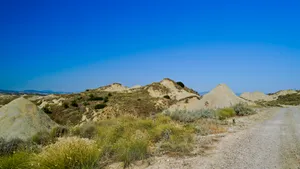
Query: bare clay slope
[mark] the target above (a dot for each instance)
(22, 119)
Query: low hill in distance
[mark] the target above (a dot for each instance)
(36, 92)
(220, 97)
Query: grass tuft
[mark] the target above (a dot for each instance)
(243, 110)
(190, 116)
(18, 160)
(68, 153)
(225, 113)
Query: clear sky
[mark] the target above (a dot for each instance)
(72, 45)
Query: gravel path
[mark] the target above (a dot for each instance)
(274, 143)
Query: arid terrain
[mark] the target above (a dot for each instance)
(269, 139)
(161, 125)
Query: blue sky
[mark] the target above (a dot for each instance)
(73, 45)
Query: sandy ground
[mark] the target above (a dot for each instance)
(270, 139)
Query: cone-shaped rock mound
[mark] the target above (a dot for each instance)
(220, 97)
(22, 119)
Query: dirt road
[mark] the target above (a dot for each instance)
(274, 143)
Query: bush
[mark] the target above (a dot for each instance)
(86, 103)
(131, 150)
(66, 105)
(100, 106)
(109, 94)
(180, 84)
(243, 110)
(289, 99)
(167, 97)
(95, 98)
(190, 116)
(42, 138)
(59, 131)
(11, 146)
(74, 103)
(225, 113)
(105, 100)
(87, 130)
(127, 139)
(47, 110)
(18, 160)
(70, 152)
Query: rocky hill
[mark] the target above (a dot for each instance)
(22, 119)
(220, 97)
(112, 101)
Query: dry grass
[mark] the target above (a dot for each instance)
(18, 160)
(191, 116)
(225, 113)
(127, 139)
(209, 126)
(68, 153)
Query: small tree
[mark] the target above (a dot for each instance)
(105, 100)
(74, 103)
(100, 106)
(167, 97)
(47, 110)
(66, 105)
(180, 84)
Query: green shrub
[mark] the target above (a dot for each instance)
(42, 138)
(18, 160)
(86, 103)
(127, 139)
(66, 105)
(105, 100)
(10, 146)
(243, 110)
(95, 98)
(47, 110)
(225, 113)
(167, 97)
(100, 106)
(289, 99)
(190, 116)
(74, 103)
(68, 153)
(87, 130)
(59, 131)
(131, 150)
(109, 94)
(180, 84)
